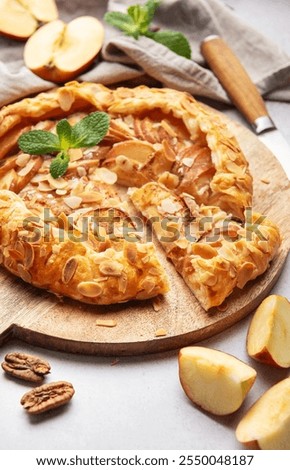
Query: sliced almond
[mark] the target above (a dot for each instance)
(191, 204)
(210, 279)
(81, 171)
(182, 243)
(188, 162)
(90, 289)
(236, 169)
(123, 282)
(26, 169)
(169, 206)
(29, 256)
(204, 250)
(39, 178)
(44, 187)
(104, 175)
(148, 285)
(61, 192)
(107, 323)
(73, 202)
(22, 159)
(157, 303)
(131, 252)
(111, 268)
(168, 128)
(160, 332)
(69, 270)
(23, 273)
(227, 253)
(91, 197)
(66, 98)
(57, 183)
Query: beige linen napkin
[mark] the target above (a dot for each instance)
(124, 58)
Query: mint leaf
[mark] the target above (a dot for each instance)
(123, 22)
(64, 131)
(137, 22)
(139, 15)
(175, 41)
(151, 6)
(59, 165)
(90, 130)
(39, 142)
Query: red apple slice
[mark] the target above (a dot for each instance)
(20, 18)
(266, 425)
(268, 338)
(214, 380)
(59, 52)
(42, 10)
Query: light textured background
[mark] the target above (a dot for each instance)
(138, 403)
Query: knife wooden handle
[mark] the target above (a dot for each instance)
(236, 81)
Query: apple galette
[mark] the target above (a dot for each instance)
(83, 235)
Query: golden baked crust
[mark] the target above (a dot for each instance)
(160, 140)
(212, 251)
(218, 172)
(49, 256)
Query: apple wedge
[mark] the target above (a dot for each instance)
(268, 338)
(266, 425)
(42, 10)
(59, 52)
(20, 18)
(214, 380)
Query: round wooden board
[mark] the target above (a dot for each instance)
(39, 318)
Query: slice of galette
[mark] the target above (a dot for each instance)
(213, 252)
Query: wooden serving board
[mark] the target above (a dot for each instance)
(42, 319)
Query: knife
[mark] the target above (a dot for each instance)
(245, 96)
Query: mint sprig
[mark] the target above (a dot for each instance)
(137, 22)
(59, 165)
(88, 132)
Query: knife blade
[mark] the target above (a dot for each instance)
(245, 96)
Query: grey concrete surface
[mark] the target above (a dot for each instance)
(138, 403)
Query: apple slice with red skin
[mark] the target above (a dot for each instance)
(214, 380)
(268, 338)
(20, 18)
(266, 425)
(59, 52)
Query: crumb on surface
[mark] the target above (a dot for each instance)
(115, 362)
(108, 323)
(160, 332)
(157, 303)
